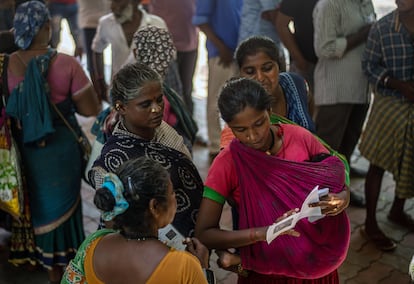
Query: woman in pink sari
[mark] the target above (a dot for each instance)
(267, 170)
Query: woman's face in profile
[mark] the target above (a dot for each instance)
(146, 111)
(263, 69)
(252, 128)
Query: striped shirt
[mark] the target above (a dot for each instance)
(389, 52)
(338, 74)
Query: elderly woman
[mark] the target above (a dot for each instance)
(138, 99)
(46, 88)
(140, 200)
(154, 47)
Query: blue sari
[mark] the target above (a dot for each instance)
(296, 92)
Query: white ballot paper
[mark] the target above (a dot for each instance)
(312, 213)
(170, 236)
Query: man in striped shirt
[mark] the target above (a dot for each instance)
(341, 89)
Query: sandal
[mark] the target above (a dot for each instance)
(403, 220)
(381, 241)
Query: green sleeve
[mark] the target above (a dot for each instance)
(213, 195)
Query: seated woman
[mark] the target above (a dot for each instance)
(139, 199)
(268, 170)
(137, 97)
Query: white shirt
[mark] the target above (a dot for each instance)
(110, 32)
(338, 74)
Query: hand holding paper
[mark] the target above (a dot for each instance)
(312, 213)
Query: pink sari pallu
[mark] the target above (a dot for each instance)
(269, 187)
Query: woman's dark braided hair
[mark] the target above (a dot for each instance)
(143, 179)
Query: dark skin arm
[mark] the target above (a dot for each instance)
(355, 39)
(208, 232)
(288, 39)
(406, 88)
(225, 53)
(98, 76)
(195, 247)
(87, 103)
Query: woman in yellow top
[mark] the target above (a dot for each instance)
(139, 199)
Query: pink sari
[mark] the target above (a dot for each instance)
(270, 186)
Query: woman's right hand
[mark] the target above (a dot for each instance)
(195, 247)
(260, 233)
(291, 232)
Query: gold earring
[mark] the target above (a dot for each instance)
(153, 110)
(117, 106)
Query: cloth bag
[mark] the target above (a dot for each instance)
(11, 189)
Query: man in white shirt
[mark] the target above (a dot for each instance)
(117, 29)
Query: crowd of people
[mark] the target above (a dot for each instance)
(291, 124)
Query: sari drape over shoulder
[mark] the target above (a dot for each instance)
(284, 185)
(51, 157)
(123, 146)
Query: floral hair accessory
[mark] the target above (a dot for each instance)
(115, 186)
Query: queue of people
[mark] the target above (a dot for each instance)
(273, 151)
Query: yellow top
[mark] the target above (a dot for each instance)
(176, 267)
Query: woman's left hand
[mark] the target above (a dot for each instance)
(195, 247)
(333, 203)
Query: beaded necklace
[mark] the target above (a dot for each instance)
(138, 238)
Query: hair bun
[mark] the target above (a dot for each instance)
(104, 200)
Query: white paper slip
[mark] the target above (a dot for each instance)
(312, 213)
(171, 237)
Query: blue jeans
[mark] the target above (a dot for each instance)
(59, 11)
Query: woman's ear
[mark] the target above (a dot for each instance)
(119, 107)
(153, 207)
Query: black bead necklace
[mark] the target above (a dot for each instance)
(272, 143)
(138, 238)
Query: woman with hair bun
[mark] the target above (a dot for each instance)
(139, 199)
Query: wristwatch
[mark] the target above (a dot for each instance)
(211, 279)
